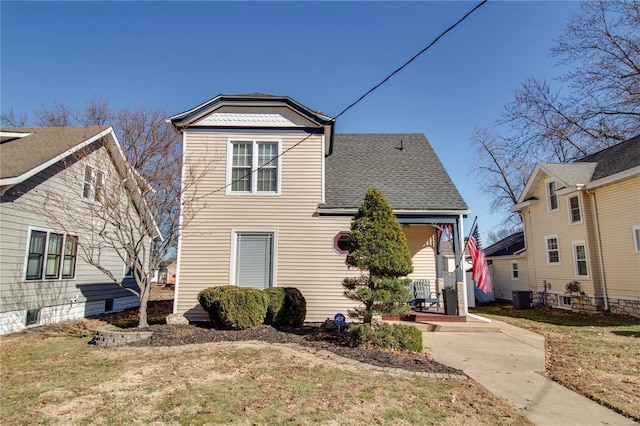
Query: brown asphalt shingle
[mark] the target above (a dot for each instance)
(20, 155)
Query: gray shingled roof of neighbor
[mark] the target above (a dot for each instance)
(570, 173)
(615, 159)
(18, 156)
(412, 178)
(507, 246)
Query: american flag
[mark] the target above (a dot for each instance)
(480, 274)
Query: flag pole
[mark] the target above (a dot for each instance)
(473, 228)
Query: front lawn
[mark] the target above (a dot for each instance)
(595, 355)
(50, 375)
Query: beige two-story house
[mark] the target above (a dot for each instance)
(279, 191)
(53, 181)
(582, 231)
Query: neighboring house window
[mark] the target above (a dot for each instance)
(35, 258)
(70, 254)
(47, 251)
(552, 196)
(254, 259)
(580, 258)
(342, 242)
(88, 178)
(54, 254)
(93, 183)
(553, 249)
(515, 273)
(575, 214)
(636, 237)
(254, 167)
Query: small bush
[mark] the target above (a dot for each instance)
(234, 307)
(395, 336)
(287, 307)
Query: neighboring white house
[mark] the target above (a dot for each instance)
(43, 277)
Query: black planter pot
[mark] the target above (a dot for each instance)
(450, 301)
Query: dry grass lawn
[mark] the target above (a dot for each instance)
(51, 375)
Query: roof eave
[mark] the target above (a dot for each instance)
(613, 178)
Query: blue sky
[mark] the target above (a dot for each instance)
(176, 55)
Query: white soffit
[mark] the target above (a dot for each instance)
(233, 116)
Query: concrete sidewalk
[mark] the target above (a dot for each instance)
(509, 361)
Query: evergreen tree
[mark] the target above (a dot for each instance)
(379, 249)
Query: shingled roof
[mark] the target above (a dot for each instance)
(615, 159)
(403, 166)
(507, 246)
(21, 154)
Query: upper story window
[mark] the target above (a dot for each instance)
(515, 273)
(93, 183)
(49, 254)
(636, 237)
(253, 167)
(553, 249)
(575, 213)
(552, 196)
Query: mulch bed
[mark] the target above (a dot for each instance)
(311, 336)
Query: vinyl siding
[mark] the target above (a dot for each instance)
(421, 243)
(503, 284)
(619, 210)
(539, 222)
(304, 242)
(21, 208)
(305, 257)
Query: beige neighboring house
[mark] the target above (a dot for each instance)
(43, 278)
(507, 260)
(278, 203)
(582, 224)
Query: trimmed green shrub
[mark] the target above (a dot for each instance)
(234, 307)
(287, 307)
(395, 336)
(378, 249)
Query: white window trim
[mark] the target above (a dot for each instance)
(635, 229)
(546, 249)
(254, 167)
(92, 183)
(515, 262)
(548, 196)
(574, 244)
(562, 305)
(569, 212)
(46, 251)
(234, 251)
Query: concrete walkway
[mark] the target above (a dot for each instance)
(509, 361)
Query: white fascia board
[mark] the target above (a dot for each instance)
(614, 178)
(527, 187)
(138, 181)
(518, 207)
(41, 167)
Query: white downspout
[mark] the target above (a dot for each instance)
(603, 276)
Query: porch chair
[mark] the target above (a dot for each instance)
(423, 296)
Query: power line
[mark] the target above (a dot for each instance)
(387, 78)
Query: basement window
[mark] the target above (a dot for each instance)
(108, 305)
(32, 317)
